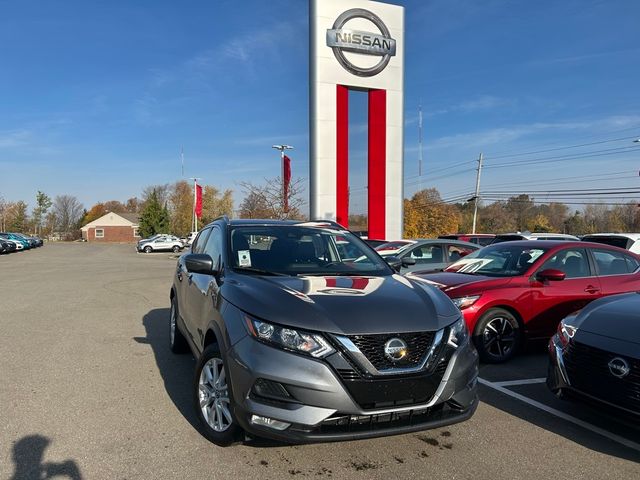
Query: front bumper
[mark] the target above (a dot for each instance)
(589, 382)
(322, 408)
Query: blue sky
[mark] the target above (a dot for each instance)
(97, 98)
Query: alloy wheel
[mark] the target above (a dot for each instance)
(499, 337)
(213, 394)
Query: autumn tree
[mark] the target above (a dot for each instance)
(254, 205)
(215, 203)
(181, 207)
(426, 215)
(95, 212)
(522, 210)
(133, 205)
(495, 218)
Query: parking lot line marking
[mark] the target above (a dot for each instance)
(562, 415)
(524, 381)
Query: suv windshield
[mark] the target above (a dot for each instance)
(502, 260)
(302, 250)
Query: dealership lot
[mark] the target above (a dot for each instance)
(90, 389)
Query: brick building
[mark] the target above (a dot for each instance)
(113, 227)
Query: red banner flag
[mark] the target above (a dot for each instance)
(198, 205)
(286, 181)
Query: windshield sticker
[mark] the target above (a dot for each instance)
(244, 258)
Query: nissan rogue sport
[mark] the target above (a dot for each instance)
(295, 342)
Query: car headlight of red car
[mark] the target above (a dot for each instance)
(465, 302)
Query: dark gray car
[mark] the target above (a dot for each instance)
(596, 353)
(295, 343)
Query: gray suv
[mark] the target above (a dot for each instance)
(295, 343)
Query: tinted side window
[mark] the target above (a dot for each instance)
(572, 262)
(213, 247)
(425, 254)
(200, 241)
(614, 263)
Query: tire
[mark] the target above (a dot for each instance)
(175, 249)
(497, 336)
(177, 342)
(147, 249)
(209, 403)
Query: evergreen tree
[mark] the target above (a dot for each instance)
(43, 203)
(154, 218)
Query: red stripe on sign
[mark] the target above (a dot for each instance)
(377, 162)
(342, 155)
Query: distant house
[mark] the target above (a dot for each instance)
(113, 227)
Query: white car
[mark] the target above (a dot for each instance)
(628, 241)
(159, 243)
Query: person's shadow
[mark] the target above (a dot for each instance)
(28, 455)
(176, 370)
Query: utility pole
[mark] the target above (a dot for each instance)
(282, 148)
(194, 219)
(477, 196)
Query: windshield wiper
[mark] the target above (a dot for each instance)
(259, 271)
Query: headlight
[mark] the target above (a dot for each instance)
(458, 333)
(465, 302)
(566, 330)
(289, 339)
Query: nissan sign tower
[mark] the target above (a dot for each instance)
(357, 44)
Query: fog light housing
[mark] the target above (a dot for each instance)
(269, 422)
(270, 389)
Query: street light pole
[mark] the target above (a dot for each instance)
(477, 196)
(282, 148)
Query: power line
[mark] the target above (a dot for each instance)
(572, 156)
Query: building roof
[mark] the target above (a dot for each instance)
(113, 219)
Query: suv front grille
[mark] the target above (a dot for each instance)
(588, 371)
(372, 346)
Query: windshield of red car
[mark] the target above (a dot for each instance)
(502, 260)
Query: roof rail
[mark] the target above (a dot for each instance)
(330, 222)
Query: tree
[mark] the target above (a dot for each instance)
(133, 205)
(18, 219)
(181, 201)
(495, 218)
(215, 204)
(4, 206)
(161, 192)
(267, 200)
(95, 212)
(115, 206)
(69, 212)
(539, 223)
(522, 210)
(426, 215)
(43, 204)
(153, 218)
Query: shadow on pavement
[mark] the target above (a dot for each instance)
(28, 456)
(176, 370)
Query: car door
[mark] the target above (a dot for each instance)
(185, 280)
(551, 301)
(204, 290)
(618, 271)
(428, 257)
(456, 252)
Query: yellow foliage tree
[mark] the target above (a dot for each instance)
(426, 215)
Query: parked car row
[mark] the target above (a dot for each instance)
(14, 242)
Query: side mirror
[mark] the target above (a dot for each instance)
(394, 262)
(408, 261)
(199, 263)
(551, 275)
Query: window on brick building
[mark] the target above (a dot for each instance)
(99, 232)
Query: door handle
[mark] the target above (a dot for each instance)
(591, 289)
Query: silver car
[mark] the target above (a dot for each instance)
(431, 254)
(160, 242)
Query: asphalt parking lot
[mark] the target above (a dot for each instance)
(89, 389)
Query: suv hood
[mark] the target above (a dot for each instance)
(342, 305)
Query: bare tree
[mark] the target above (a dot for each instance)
(68, 212)
(267, 200)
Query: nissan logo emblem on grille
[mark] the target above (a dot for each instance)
(395, 349)
(619, 367)
(356, 41)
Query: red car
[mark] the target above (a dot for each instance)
(512, 291)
